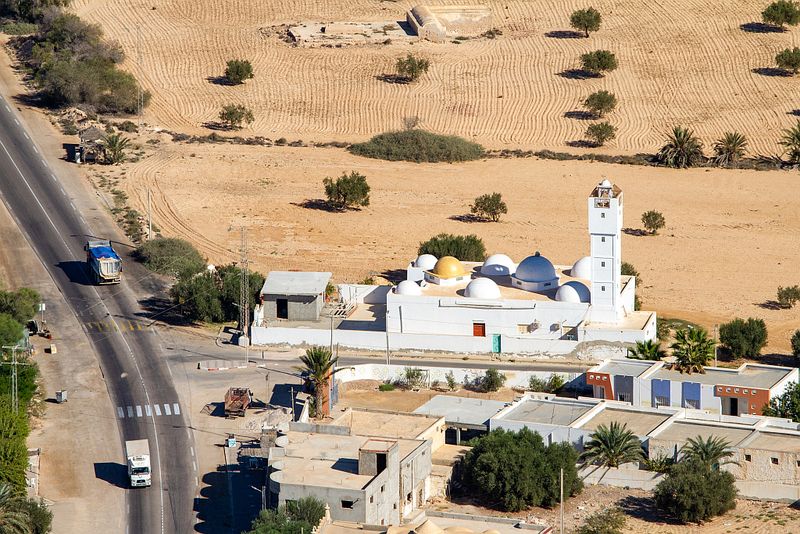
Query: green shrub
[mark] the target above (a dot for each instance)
(781, 13)
(10, 330)
(233, 115)
(789, 59)
(692, 492)
(127, 126)
(39, 515)
(493, 380)
(744, 339)
(607, 521)
(659, 464)
(19, 28)
(386, 387)
(418, 146)
(653, 221)
(413, 377)
(230, 279)
(308, 509)
(464, 247)
(730, 148)
(238, 70)
(21, 304)
(451, 381)
(586, 20)
(170, 256)
(552, 385)
(601, 132)
(599, 61)
(627, 269)
(198, 297)
(600, 103)
(411, 67)
(786, 405)
(489, 206)
(13, 451)
(796, 344)
(347, 191)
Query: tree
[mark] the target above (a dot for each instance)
(601, 132)
(114, 146)
(744, 338)
(13, 451)
(608, 521)
(230, 279)
(789, 59)
(278, 522)
(627, 269)
(308, 509)
(515, 470)
(611, 446)
(493, 380)
(600, 103)
(464, 247)
(233, 115)
(787, 405)
(653, 221)
(796, 344)
(319, 363)
(13, 517)
(791, 141)
(411, 67)
(781, 13)
(729, 148)
(10, 330)
(171, 256)
(788, 296)
(199, 297)
(451, 381)
(692, 350)
(30, 10)
(552, 385)
(692, 492)
(647, 350)
(682, 149)
(599, 61)
(586, 20)
(238, 70)
(21, 304)
(347, 191)
(712, 451)
(40, 517)
(489, 206)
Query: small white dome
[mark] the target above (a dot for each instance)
(498, 265)
(582, 268)
(407, 287)
(606, 183)
(574, 292)
(482, 288)
(426, 262)
(535, 268)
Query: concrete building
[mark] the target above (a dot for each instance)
(464, 417)
(741, 391)
(296, 296)
(438, 23)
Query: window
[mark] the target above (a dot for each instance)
(602, 215)
(383, 488)
(603, 239)
(395, 506)
(347, 504)
(548, 284)
(797, 462)
(371, 499)
(774, 460)
(479, 329)
(522, 329)
(624, 397)
(602, 288)
(748, 458)
(408, 497)
(602, 264)
(692, 403)
(661, 401)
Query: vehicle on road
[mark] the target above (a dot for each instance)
(103, 262)
(138, 453)
(237, 400)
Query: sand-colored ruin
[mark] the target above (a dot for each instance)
(438, 23)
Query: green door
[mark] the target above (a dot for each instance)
(496, 343)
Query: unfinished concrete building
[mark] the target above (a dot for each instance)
(438, 23)
(293, 296)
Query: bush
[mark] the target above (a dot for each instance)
(386, 387)
(653, 221)
(788, 296)
(599, 61)
(601, 132)
(411, 67)
(789, 59)
(347, 191)
(729, 148)
(464, 247)
(627, 269)
(600, 103)
(19, 28)
(238, 70)
(21, 304)
(413, 377)
(170, 256)
(744, 339)
(114, 147)
(586, 20)
(781, 13)
(10, 330)
(787, 405)
(683, 149)
(418, 146)
(278, 522)
(692, 492)
(796, 344)
(790, 140)
(451, 381)
(13, 451)
(230, 280)
(515, 470)
(552, 385)
(198, 297)
(39, 516)
(307, 509)
(489, 206)
(659, 464)
(233, 115)
(607, 521)
(127, 126)
(492, 381)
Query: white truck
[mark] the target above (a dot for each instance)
(138, 453)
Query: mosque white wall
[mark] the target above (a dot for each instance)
(363, 294)
(627, 295)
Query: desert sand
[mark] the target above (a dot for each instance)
(681, 62)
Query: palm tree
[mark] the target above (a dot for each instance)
(318, 364)
(612, 446)
(729, 148)
(692, 350)
(114, 146)
(711, 451)
(682, 150)
(791, 140)
(647, 350)
(13, 518)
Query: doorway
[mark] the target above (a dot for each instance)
(283, 308)
(479, 329)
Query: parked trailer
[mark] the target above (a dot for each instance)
(237, 400)
(103, 262)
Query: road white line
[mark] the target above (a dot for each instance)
(44, 162)
(167, 411)
(130, 411)
(120, 412)
(73, 206)
(148, 410)
(8, 108)
(53, 176)
(16, 122)
(192, 449)
(35, 149)
(138, 411)
(158, 409)
(194, 466)
(176, 409)
(25, 134)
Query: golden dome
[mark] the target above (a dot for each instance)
(448, 267)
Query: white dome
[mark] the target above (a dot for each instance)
(498, 265)
(606, 183)
(407, 287)
(482, 288)
(574, 292)
(426, 262)
(535, 268)
(582, 268)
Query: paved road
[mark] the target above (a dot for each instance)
(129, 358)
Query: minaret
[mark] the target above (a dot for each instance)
(605, 230)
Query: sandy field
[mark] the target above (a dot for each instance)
(681, 62)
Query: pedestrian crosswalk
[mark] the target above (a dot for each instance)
(111, 326)
(146, 410)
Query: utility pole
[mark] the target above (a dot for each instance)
(562, 500)
(386, 328)
(244, 299)
(14, 380)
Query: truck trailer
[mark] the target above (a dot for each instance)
(103, 262)
(138, 453)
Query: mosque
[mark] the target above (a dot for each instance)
(500, 306)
